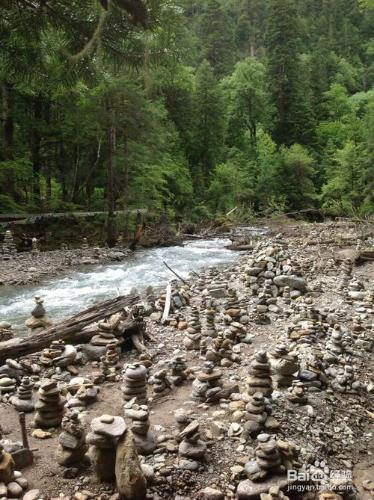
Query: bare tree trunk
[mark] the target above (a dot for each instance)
(35, 141)
(111, 229)
(8, 125)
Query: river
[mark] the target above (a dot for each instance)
(73, 292)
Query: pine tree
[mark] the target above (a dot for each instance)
(284, 68)
(209, 130)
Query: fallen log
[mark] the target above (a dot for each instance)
(72, 329)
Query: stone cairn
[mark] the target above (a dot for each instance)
(259, 379)
(178, 369)
(334, 346)
(193, 333)
(232, 308)
(7, 384)
(159, 381)
(9, 248)
(274, 493)
(105, 336)
(34, 246)
(267, 459)
(344, 381)
(283, 366)
(83, 392)
(145, 441)
(135, 383)
(72, 446)
(5, 331)
(191, 447)
(271, 458)
(39, 319)
(210, 325)
(23, 400)
(207, 386)
(12, 483)
(109, 363)
(345, 274)
(50, 405)
(257, 415)
(105, 433)
(296, 394)
(54, 351)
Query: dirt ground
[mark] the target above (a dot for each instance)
(338, 429)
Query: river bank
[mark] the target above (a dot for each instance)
(325, 321)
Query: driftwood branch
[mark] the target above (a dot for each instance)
(175, 273)
(72, 329)
(167, 303)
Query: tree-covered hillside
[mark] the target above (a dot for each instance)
(185, 106)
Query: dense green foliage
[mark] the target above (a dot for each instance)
(185, 106)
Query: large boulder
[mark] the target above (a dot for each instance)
(294, 282)
(130, 479)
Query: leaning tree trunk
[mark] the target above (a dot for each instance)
(71, 330)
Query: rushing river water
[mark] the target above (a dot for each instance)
(74, 292)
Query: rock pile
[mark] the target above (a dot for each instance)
(72, 445)
(50, 405)
(283, 366)
(159, 381)
(257, 416)
(191, 446)
(178, 369)
(23, 401)
(135, 383)
(9, 248)
(145, 440)
(39, 319)
(259, 371)
(12, 483)
(5, 331)
(105, 433)
(193, 333)
(207, 386)
(7, 384)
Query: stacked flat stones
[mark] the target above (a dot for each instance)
(267, 459)
(39, 319)
(191, 446)
(23, 400)
(344, 381)
(210, 326)
(193, 333)
(135, 383)
(256, 414)
(232, 308)
(159, 381)
(207, 385)
(9, 248)
(105, 433)
(296, 394)
(145, 440)
(104, 337)
(5, 331)
(72, 445)
(334, 346)
(12, 483)
(178, 370)
(50, 405)
(283, 366)
(7, 384)
(259, 371)
(51, 353)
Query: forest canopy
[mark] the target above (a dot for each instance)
(187, 107)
